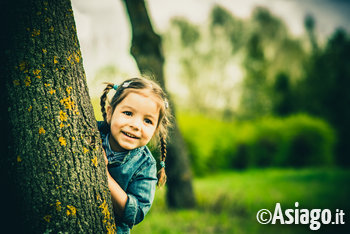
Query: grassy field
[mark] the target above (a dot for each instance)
(228, 202)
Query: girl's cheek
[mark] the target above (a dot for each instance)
(152, 131)
(119, 119)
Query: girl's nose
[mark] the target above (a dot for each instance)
(136, 124)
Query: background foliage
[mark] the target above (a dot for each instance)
(245, 69)
(274, 96)
(295, 141)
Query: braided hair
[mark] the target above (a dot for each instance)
(161, 133)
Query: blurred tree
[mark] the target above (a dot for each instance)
(147, 51)
(206, 67)
(309, 24)
(324, 91)
(270, 51)
(52, 165)
(231, 65)
(282, 96)
(189, 33)
(255, 100)
(188, 39)
(222, 22)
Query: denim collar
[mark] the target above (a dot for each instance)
(112, 156)
(117, 158)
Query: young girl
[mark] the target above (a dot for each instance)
(137, 113)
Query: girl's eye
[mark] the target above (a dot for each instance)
(128, 113)
(148, 121)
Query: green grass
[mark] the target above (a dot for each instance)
(228, 202)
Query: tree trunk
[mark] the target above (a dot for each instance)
(51, 157)
(146, 49)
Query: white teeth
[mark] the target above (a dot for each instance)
(129, 135)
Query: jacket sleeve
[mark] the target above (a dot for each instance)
(140, 193)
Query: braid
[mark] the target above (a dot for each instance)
(163, 149)
(103, 100)
(161, 173)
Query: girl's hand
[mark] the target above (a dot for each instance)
(105, 157)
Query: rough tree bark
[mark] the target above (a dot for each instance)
(51, 159)
(146, 49)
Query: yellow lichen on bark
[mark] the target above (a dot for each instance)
(36, 71)
(58, 205)
(68, 103)
(77, 57)
(71, 210)
(47, 218)
(69, 89)
(85, 150)
(22, 66)
(107, 217)
(27, 81)
(36, 32)
(74, 57)
(94, 161)
(63, 116)
(41, 131)
(105, 211)
(62, 141)
(16, 82)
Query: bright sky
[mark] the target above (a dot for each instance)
(104, 34)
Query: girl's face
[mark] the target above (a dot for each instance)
(133, 122)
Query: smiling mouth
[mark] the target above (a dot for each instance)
(130, 135)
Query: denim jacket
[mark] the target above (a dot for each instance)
(136, 173)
